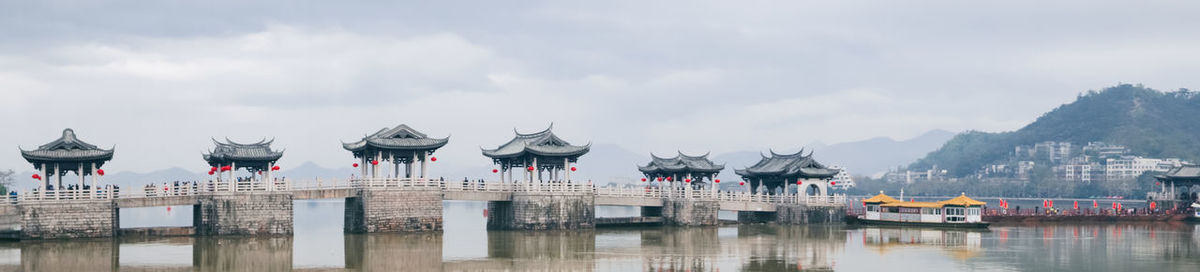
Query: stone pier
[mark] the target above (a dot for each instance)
(258, 213)
(690, 212)
(80, 219)
(543, 211)
(391, 210)
(804, 214)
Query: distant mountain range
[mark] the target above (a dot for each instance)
(605, 163)
(1148, 122)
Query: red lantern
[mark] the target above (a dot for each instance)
(374, 162)
(687, 180)
(798, 182)
(100, 171)
(1076, 204)
(210, 173)
(275, 168)
(658, 179)
(260, 172)
(432, 158)
(717, 181)
(530, 169)
(668, 178)
(214, 168)
(37, 177)
(572, 169)
(1153, 205)
(643, 179)
(741, 183)
(495, 171)
(834, 183)
(356, 165)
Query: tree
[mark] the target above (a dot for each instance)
(6, 179)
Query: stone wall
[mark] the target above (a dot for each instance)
(84, 219)
(259, 213)
(753, 217)
(690, 212)
(381, 210)
(543, 211)
(804, 214)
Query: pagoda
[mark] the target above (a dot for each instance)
(682, 167)
(536, 153)
(67, 154)
(255, 158)
(399, 145)
(780, 170)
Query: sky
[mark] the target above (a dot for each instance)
(158, 79)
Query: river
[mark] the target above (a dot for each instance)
(320, 245)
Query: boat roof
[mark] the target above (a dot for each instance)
(913, 204)
(963, 200)
(880, 198)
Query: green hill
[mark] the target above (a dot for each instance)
(1151, 123)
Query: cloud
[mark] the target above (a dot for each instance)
(159, 79)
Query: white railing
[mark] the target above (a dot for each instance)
(225, 186)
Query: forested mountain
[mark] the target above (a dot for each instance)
(1150, 122)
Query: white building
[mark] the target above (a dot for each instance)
(842, 180)
(1129, 167)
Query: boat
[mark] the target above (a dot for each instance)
(958, 212)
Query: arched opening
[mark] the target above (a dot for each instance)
(812, 190)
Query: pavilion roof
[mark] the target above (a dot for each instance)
(788, 165)
(230, 151)
(681, 163)
(67, 148)
(880, 198)
(542, 143)
(401, 137)
(1184, 173)
(962, 200)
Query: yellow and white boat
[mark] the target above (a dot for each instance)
(958, 212)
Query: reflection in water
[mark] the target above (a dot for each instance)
(320, 245)
(383, 252)
(242, 253)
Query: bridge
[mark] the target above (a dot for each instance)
(249, 207)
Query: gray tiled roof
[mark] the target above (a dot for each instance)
(67, 148)
(1185, 173)
(795, 165)
(681, 163)
(230, 151)
(543, 143)
(401, 137)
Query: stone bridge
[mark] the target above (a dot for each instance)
(395, 205)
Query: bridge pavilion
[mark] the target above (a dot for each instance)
(780, 170)
(67, 153)
(1185, 176)
(688, 169)
(536, 153)
(399, 145)
(255, 158)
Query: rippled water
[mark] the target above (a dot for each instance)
(320, 245)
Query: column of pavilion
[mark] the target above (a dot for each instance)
(254, 158)
(64, 155)
(398, 146)
(535, 154)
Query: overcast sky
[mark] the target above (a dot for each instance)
(157, 79)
